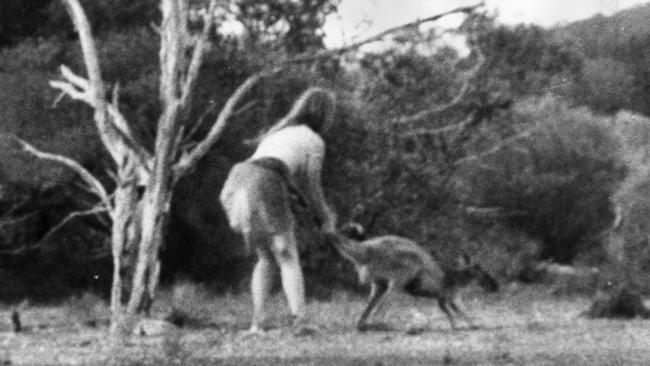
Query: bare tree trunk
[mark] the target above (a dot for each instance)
(158, 192)
(156, 202)
(124, 239)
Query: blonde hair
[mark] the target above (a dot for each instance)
(313, 101)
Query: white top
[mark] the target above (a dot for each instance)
(296, 146)
(303, 151)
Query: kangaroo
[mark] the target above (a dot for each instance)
(393, 262)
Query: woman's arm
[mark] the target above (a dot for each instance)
(322, 210)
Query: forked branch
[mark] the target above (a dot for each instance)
(115, 126)
(111, 125)
(95, 85)
(188, 160)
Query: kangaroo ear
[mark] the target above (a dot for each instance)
(354, 231)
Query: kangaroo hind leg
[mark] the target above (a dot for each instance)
(462, 314)
(377, 289)
(443, 304)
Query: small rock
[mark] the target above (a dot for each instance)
(304, 331)
(153, 327)
(85, 343)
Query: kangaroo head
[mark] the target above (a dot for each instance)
(485, 280)
(353, 230)
(469, 271)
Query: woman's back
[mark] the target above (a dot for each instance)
(293, 145)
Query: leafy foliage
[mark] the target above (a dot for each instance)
(524, 60)
(557, 183)
(607, 85)
(296, 25)
(617, 49)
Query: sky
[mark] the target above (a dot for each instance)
(358, 19)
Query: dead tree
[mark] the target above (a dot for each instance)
(145, 179)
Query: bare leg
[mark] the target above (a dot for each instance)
(260, 287)
(377, 290)
(442, 303)
(285, 250)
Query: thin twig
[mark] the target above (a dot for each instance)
(211, 109)
(118, 122)
(42, 241)
(72, 91)
(74, 79)
(13, 220)
(462, 92)
(504, 143)
(493, 212)
(93, 183)
(199, 121)
(58, 99)
(188, 160)
(380, 36)
(439, 130)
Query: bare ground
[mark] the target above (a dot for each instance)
(519, 326)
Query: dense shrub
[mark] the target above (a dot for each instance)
(607, 85)
(556, 184)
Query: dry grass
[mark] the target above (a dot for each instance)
(519, 326)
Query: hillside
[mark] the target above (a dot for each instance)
(607, 34)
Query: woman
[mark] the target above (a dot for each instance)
(257, 197)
